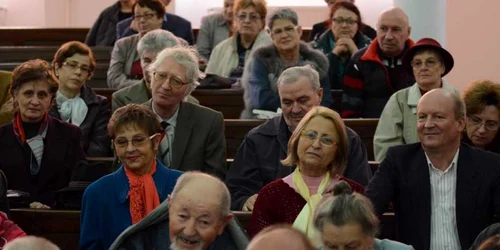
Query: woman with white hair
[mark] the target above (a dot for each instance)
(347, 220)
(266, 64)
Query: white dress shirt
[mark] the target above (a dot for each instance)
(444, 232)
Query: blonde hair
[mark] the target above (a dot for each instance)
(340, 158)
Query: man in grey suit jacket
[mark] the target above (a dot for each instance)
(214, 29)
(148, 48)
(194, 138)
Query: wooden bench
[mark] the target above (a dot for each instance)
(11, 54)
(32, 36)
(63, 227)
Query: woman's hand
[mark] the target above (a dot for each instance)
(248, 206)
(38, 205)
(348, 43)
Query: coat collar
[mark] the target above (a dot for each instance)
(414, 95)
(371, 53)
(138, 92)
(122, 187)
(277, 127)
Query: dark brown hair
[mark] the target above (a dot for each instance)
(71, 48)
(155, 5)
(348, 6)
(492, 243)
(136, 115)
(33, 70)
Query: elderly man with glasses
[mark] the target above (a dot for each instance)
(194, 137)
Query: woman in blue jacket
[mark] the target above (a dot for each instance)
(123, 198)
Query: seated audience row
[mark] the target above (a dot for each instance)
(124, 18)
(214, 29)
(428, 62)
(256, 165)
(268, 62)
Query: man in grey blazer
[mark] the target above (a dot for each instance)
(194, 138)
(148, 47)
(214, 29)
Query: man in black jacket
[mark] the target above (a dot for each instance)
(257, 161)
(443, 192)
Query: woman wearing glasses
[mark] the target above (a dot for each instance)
(125, 66)
(482, 101)
(76, 103)
(428, 62)
(123, 198)
(318, 147)
(229, 57)
(266, 64)
(342, 40)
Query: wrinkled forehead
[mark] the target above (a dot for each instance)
(393, 19)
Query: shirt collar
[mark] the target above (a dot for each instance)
(172, 121)
(452, 165)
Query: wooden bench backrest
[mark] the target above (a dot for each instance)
(56, 36)
(10, 54)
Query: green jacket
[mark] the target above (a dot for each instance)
(398, 123)
(6, 107)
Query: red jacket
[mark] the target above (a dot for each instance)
(8, 230)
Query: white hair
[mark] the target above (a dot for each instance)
(291, 75)
(184, 56)
(30, 243)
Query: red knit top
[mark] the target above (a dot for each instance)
(278, 203)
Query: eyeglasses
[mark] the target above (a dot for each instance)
(428, 63)
(146, 16)
(174, 81)
(477, 122)
(137, 141)
(313, 135)
(341, 21)
(74, 66)
(250, 17)
(287, 29)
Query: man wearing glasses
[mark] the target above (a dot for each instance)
(194, 137)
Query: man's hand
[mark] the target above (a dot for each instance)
(38, 205)
(248, 206)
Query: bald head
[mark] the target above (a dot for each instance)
(199, 184)
(393, 31)
(30, 243)
(436, 95)
(280, 237)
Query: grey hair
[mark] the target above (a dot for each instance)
(189, 176)
(184, 56)
(282, 13)
(156, 41)
(30, 243)
(459, 106)
(346, 207)
(291, 75)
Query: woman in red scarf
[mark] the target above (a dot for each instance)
(116, 201)
(37, 152)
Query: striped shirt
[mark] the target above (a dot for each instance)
(444, 232)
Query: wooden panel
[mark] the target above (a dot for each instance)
(228, 101)
(63, 227)
(26, 36)
(10, 54)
